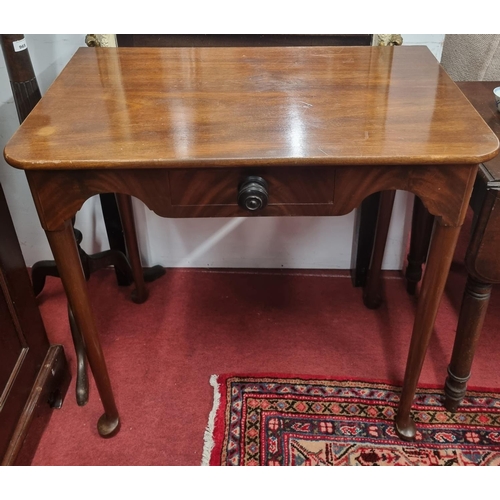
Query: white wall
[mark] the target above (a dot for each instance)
(299, 242)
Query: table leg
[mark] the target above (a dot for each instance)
(470, 323)
(65, 252)
(372, 291)
(438, 265)
(140, 293)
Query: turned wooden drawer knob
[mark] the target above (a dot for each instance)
(253, 194)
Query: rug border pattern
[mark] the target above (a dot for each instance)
(425, 401)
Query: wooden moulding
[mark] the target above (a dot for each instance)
(51, 384)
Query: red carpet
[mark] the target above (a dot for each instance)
(303, 421)
(161, 354)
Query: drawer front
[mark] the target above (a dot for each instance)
(216, 192)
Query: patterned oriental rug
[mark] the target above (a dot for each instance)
(258, 420)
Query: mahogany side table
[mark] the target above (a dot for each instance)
(251, 131)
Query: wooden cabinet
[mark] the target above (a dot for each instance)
(33, 374)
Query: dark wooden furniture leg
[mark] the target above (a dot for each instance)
(140, 294)
(114, 230)
(90, 264)
(39, 272)
(116, 238)
(82, 380)
(364, 237)
(440, 256)
(65, 251)
(470, 323)
(421, 230)
(372, 292)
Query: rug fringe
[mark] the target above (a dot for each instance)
(208, 439)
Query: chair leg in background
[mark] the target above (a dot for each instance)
(421, 230)
(140, 294)
(82, 380)
(364, 236)
(372, 293)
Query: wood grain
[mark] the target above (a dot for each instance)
(220, 186)
(59, 194)
(249, 106)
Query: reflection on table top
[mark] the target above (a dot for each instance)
(282, 106)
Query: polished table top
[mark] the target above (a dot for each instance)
(231, 107)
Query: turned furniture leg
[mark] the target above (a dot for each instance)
(470, 323)
(65, 252)
(440, 256)
(421, 230)
(372, 291)
(140, 294)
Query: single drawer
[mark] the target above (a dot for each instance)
(243, 192)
